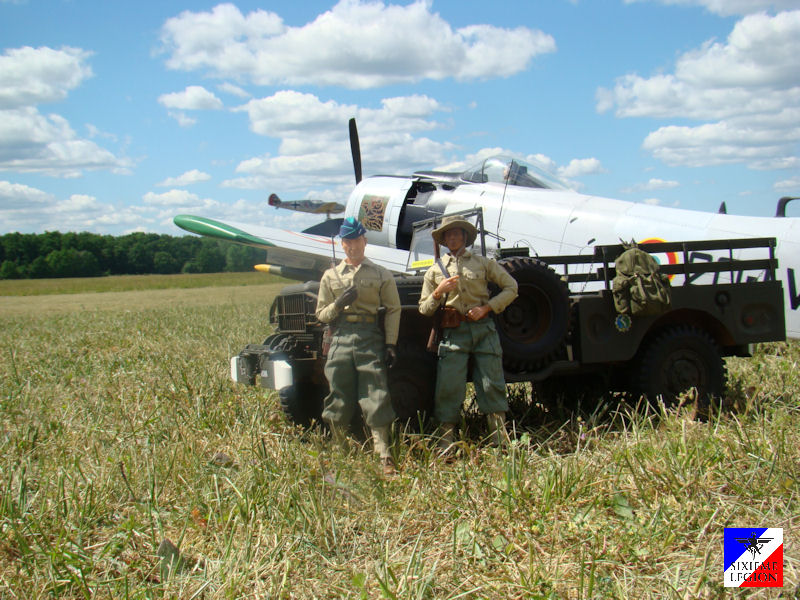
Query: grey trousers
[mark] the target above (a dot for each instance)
(356, 374)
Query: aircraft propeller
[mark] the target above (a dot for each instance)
(355, 149)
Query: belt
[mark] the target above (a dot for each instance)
(452, 318)
(359, 318)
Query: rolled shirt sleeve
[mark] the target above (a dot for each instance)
(508, 286)
(427, 303)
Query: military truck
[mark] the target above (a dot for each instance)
(561, 331)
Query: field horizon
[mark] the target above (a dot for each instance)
(133, 468)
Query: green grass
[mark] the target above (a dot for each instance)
(120, 429)
(123, 283)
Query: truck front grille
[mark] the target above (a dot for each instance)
(291, 313)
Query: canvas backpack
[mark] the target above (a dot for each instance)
(639, 289)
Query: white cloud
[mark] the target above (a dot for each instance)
(183, 119)
(172, 198)
(788, 185)
(14, 196)
(80, 203)
(27, 209)
(31, 142)
(578, 167)
(187, 178)
(747, 90)
(314, 145)
(30, 76)
(234, 90)
(728, 8)
(651, 185)
(194, 97)
(393, 44)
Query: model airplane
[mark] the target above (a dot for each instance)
(316, 207)
(522, 206)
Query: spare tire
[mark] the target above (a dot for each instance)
(533, 329)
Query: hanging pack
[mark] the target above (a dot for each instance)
(639, 289)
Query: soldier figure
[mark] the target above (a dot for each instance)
(467, 328)
(350, 295)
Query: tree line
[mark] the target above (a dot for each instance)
(55, 254)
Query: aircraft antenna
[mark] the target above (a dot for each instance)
(511, 166)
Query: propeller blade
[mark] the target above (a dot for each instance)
(355, 149)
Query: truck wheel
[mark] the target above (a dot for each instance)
(678, 359)
(533, 328)
(412, 383)
(302, 402)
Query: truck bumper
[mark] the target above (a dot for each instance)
(267, 373)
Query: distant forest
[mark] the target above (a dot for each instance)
(54, 254)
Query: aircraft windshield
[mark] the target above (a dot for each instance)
(502, 169)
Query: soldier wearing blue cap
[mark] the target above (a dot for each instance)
(350, 295)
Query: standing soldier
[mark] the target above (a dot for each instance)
(460, 281)
(350, 295)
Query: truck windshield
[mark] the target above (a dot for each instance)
(502, 169)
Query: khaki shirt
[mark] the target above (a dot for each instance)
(376, 288)
(475, 272)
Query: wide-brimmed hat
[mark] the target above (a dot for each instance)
(455, 222)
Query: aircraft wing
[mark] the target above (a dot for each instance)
(290, 249)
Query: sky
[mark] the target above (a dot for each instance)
(116, 116)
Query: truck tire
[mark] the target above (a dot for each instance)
(302, 402)
(678, 359)
(412, 383)
(533, 328)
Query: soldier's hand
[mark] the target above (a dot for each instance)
(390, 358)
(476, 313)
(347, 298)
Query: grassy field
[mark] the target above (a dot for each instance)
(124, 448)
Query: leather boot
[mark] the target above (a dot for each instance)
(498, 436)
(382, 442)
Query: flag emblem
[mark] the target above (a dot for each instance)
(753, 557)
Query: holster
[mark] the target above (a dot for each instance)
(327, 335)
(451, 318)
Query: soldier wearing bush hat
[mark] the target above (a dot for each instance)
(350, 295)
(459, 282)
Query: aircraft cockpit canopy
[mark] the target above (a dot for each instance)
(513, 171)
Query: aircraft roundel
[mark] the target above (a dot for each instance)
(672, 257)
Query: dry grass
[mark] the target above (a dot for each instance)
(120, 429)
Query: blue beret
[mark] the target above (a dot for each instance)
(351, 229)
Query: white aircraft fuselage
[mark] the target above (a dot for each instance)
(554, 221)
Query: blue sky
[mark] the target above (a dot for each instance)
(115, 116)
